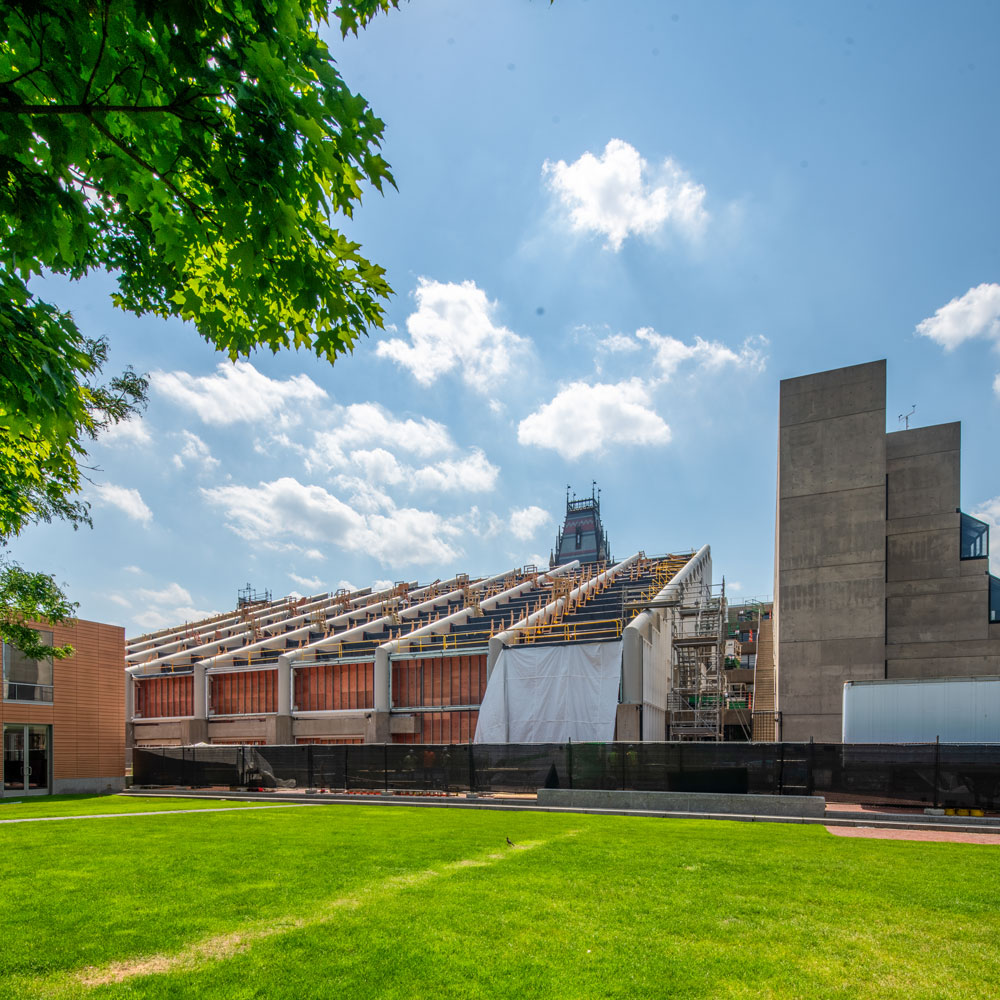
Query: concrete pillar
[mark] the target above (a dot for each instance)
(200, 692)
(129, 698)
(382, 678)
(284, 685)
(377, 728)
(632, 660)
(496, 645)
(283, 730)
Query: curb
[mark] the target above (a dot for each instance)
(884, 821)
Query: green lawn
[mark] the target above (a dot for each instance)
(359, 901)
(100, 805)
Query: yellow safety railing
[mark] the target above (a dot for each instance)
(571, 630)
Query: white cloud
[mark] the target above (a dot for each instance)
(617, 195)
(584, 419)
(238, 392)
(195, 451)
(310, 583)
(364, 424)
(734, 585)
(476, 523)
(526, 521)
(128, 501)
(119, 600)
(669, 353)
(170, 605)
(345, 585)
(133, 569)
(453, 328)
(989, 511)
(288, 507)
(377, 467)
(172, 593)
(128, 432)
(975, 314)
(618, 343)
(474, 473)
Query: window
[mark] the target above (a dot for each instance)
(579, 538)
(24, 679)
(975, 542)
(994, 598)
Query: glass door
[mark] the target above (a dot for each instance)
(26, 759)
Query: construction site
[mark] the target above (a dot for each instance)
(456, 660)
(880, 580)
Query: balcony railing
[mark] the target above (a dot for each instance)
(19, 691)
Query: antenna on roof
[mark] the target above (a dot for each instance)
(906, 416)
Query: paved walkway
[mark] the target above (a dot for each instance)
(158, 812)
(939, 836)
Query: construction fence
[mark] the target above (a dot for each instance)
(957, 775)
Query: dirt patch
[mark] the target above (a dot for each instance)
(931, 836)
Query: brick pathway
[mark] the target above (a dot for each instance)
(941, 836)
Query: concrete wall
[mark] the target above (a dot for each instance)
(937, 622)
(869, 583)
(830, 544)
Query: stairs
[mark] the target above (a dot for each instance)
(764, 684)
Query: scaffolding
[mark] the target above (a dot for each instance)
(697, 696)
(248, 596)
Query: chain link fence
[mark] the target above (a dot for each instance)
(934, 774)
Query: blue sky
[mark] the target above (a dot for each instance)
(618, 226)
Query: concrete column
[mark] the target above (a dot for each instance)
(496, 646)
(129, 697)
(377, 728)
(284, 685)
(382, 678)
(200, 692)
(632, 660)
(283, 720)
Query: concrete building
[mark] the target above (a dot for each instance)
(878, 573)
(64, 722)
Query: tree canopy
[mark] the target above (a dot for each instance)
(198, 150)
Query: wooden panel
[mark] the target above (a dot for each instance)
(438, 680)
(329, 687)
(442, 727)
(164, 697)
(245, 692)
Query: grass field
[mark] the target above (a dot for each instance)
(361, 901)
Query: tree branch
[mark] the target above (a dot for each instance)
(88, 109)
(100, 52)
(20, 76)
(193, 206)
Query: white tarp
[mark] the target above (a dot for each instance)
(550, 694)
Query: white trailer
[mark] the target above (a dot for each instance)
(954, 710)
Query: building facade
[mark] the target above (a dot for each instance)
(411, 664)
(878, 573)
(63, 722)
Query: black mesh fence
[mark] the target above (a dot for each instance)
(920, 774)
